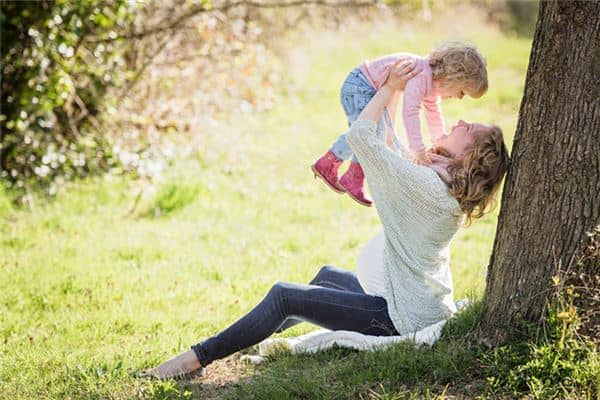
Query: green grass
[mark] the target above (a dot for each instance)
(95, 285)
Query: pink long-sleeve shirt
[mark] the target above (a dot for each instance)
(418, 91)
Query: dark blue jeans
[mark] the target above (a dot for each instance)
(333, 299)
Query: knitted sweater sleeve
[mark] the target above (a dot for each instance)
(389, 175)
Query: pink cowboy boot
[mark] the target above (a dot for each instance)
(352, 181)
(326, 168)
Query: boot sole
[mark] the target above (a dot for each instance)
(329, 185)
(356, 199)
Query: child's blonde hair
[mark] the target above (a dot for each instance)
(476, 176)
(460, 65)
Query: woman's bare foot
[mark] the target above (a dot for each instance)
(184, 365)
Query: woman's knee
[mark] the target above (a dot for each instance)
(323, 272)
(279, 289)
(284, 296)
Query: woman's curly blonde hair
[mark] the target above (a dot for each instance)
(460, 65)
(476, 176)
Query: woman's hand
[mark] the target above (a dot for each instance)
(404, 70)
(421, 158)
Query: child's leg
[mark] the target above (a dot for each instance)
(355, 94)
(353, 179)
(341, 149)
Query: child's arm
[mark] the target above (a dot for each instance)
(435, 121)
(414, 92)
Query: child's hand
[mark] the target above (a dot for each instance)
(421, 158)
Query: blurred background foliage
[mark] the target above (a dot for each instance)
(96, 86)
(55, 76)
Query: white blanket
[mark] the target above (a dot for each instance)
(324, 339)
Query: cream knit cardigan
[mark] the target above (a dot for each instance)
(419, 219)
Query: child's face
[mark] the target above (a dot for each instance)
(451, 92)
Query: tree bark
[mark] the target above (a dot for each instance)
(551, 195)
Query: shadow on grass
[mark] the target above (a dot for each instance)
(398, 372)
(220, 380)
(455, 367)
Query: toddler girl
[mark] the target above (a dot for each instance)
(449, 71)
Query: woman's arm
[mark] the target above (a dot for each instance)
(392, 110)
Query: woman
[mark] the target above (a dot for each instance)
(409, 285)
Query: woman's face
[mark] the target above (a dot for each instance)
(461, 137)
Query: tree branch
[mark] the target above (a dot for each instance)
(139, 73)
(252, 4)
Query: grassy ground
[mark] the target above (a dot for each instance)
(91, 291)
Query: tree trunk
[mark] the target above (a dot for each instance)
(551, 195)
